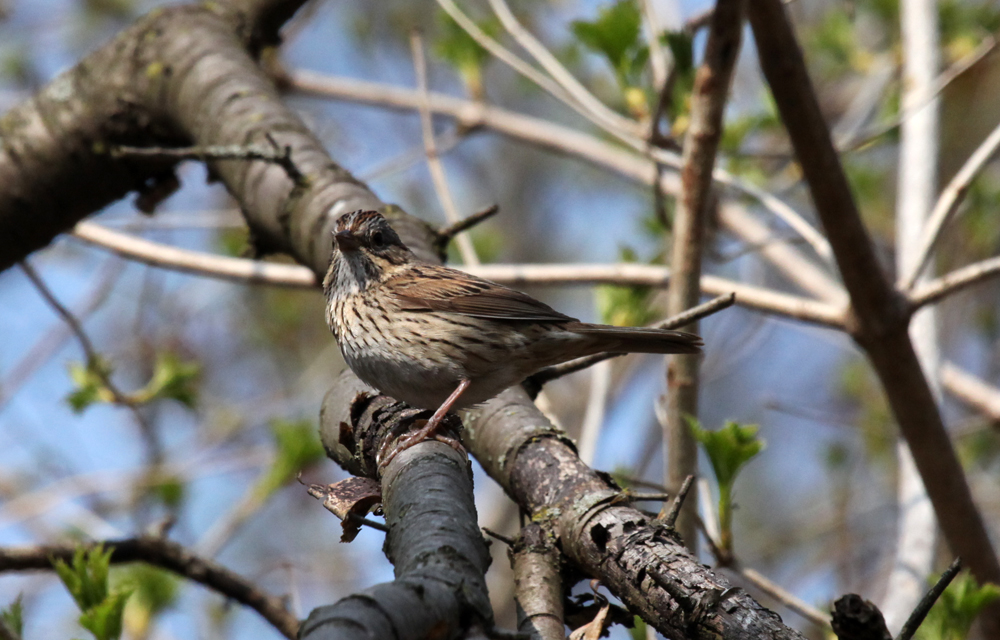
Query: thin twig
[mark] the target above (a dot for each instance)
(167, 555)
(715, 305)
(971, 390)
(280, 157)
(948, 203)
(296, 276)
(445, 234)
(507, 540)
(776, 591)
(549, 135)
(374, 524)
(918, 615)
(940, 84)
(95, 365)
(954, 281)
(669, 517)
(657, 55)
(438, 177)
(560, 74)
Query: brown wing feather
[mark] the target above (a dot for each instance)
(434, 288)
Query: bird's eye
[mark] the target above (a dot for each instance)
(378, 240)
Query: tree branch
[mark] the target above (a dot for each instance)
(168, 555)
(434, 543)
(879, 319)
(295, 276)
(538, 584)
(708, 102)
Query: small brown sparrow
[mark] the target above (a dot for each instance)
(436, 337)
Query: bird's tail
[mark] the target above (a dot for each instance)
(638, 339)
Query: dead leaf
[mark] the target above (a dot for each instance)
(593, 629)
(351, 497)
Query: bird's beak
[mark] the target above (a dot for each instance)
(346, 241)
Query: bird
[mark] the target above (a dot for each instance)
(438, 338)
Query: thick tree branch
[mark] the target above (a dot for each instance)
(168, 555)
(879, 314)
(434, 543)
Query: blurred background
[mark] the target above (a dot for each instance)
(236, 373)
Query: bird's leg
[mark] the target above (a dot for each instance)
(427, 430)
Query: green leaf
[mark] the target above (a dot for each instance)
(104, 620)
(952, 616)
(681, 45)
(154, 590)
(617, 35)
(88, 382)
(455, 46)
(86, 576)
(14, 615)
(297, 446)
(172, 378)
(728, 449)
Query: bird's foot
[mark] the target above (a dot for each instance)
(388, 452)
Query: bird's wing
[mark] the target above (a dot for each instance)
(435, 288)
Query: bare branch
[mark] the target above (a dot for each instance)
(879, 320)
(947, 205)
(196, 262)
(445, 234)
(434, 164)
(954, 281)
(560, 74)
(918, 615)
(971, 390)
(565, 140)
(96, 366)
(168, 555)
(776, 591)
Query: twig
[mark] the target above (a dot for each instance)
(50, 343)
(296, 276)
(553, 372)
(445, 234)
(280, 157)
(776, 591)
(196, 262)
(434, 164)
(940, 84)
(167, 555)
(947, 205)
(918, 615)
(669, 517)
(566, 80)
(971, 390)
(374, 524)
(549, 135)
(954, 281)
(507, 540)
(94, 364)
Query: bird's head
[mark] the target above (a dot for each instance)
(366, 250)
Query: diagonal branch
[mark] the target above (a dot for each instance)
(879, 315)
